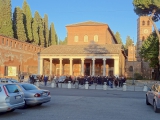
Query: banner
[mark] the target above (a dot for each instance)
(12, 71)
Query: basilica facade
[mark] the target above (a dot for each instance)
(91, 49)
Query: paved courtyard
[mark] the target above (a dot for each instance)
(81, 104)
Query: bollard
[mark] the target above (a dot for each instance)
(37, 83)
(69, 84)
(124, 87)
(86, 85)
(104, 86)
(52, 84)
(76, 84)
(145, 88)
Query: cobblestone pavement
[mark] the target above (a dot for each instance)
(81, 104)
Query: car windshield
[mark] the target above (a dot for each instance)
(29, 87)
(12, 88)
(14, 81)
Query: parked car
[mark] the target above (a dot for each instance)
(34, 95)
(11, 97)
(8, 80)
(62, 79)
(153, 97)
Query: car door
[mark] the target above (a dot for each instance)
(14, 93)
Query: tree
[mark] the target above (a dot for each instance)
(6, 18)
(149, 52)
(64, 42)
(52, 35)
(118, 38)
(46, 30)
(129, 42)
(18, 26)
(38, 30)
(27, 21)
(149, 8)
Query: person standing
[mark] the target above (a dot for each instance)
(45, 80)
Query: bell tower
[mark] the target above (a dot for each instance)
(144, 29)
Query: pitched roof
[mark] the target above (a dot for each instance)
(87, 23)
(83, 49)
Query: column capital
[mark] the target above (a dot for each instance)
(70, 58)
(93, 59)
(104, 58)
(60, 58)
(82, 59)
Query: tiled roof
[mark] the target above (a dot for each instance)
(87, 23)
(83, 49)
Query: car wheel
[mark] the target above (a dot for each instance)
(11, 110)
(155, 107)
(147, 103)
(25, 105)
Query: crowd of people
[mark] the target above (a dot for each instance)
(110, 80)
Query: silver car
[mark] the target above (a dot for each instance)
(8, 80)
(153, 97)
(34, 95)
(11, 97)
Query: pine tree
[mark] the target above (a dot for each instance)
(118, 38)
(27, 21)
(46, 30)
(18, 26)
(129, 42)
(53, 36)
(6, 18)
(38, 29)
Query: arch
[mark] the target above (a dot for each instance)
(148, 22)
(143, 22)
(143, 38)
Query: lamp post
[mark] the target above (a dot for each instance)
(133, 64)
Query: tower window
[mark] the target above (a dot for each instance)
(143, 22)
(148, 22)
(85, 38)
(2, 40)
(143, 38)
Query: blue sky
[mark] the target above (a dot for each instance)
(118, 14)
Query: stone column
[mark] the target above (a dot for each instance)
(60, 69)
(82, 68)
(107, 69)
(104, 66)
(50, 66)
(116, 66)
(93, 67)
(71, 66)
(40, 65)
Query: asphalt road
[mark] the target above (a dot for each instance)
(81, 104)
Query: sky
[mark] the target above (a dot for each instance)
(118, 14)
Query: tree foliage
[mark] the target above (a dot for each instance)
(149, 50)
(18, 26)
(63, 42)
(6, 18)
(129, 42)
(27, 21)
(52, 35)
(118, 38)
(46, 30)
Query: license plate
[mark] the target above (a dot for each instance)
(44, 94)
(18, 97)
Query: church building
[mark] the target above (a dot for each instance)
(91, 50)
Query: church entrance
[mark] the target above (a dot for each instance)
(87, 69)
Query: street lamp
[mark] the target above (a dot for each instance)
(133, 63)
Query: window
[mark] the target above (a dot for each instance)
(143, 22)
(85, 38)
(11, 43)
(7, 42)
(29, 87)
(75, 38)
(2, 40)
(25, 47)
(148, 22)
(143, 38)
(20, 46)
(96, 38)
(15, 44)
(12, 88)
